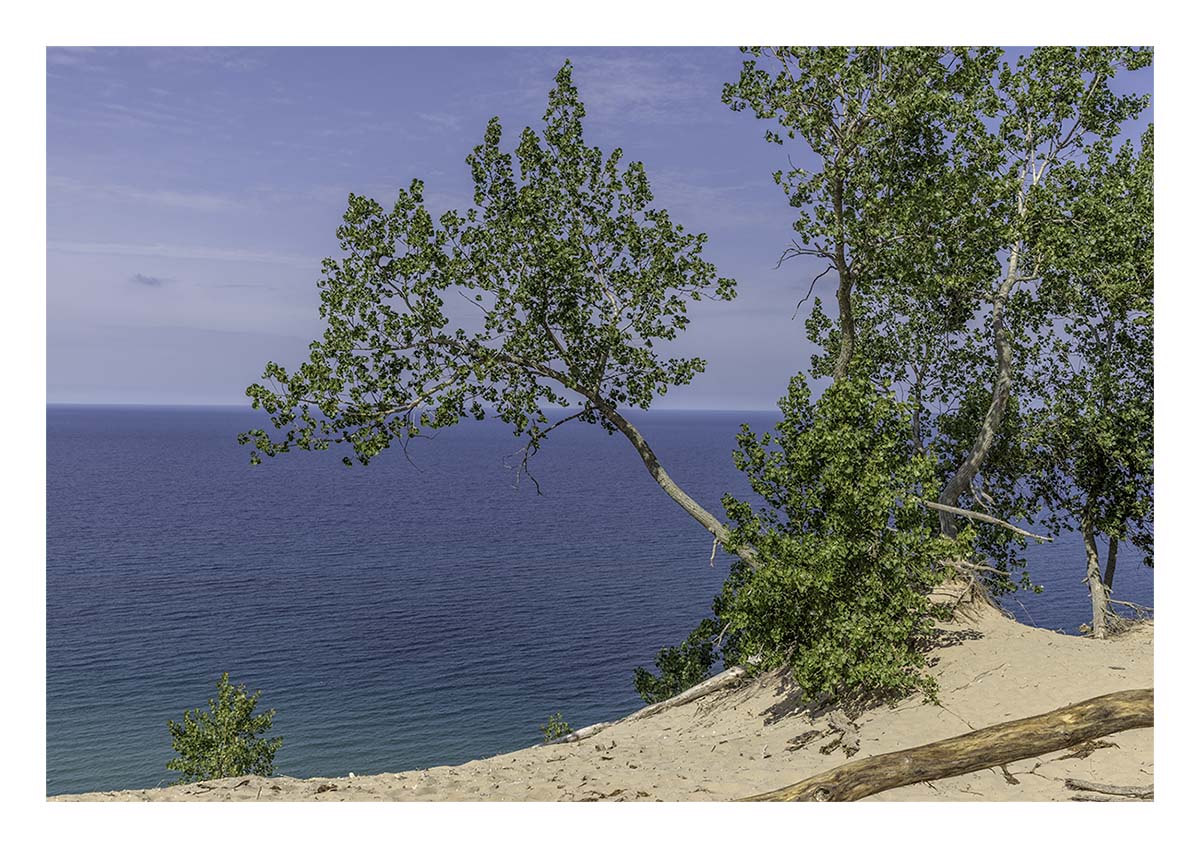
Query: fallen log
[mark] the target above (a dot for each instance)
(997, 745)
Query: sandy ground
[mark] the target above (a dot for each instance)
(743, 740)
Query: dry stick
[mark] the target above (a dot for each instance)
(1109, 789)
(729, 677)
(983, 516)
(999, 744)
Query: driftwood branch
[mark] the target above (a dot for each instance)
(726, 678)
(1146, 792)
(992, 746)
(983, 516)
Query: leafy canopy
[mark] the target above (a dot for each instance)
(1095, 433)
(957, 187)
(224, 740)
(552, 290)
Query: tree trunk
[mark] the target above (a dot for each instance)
(1001, 388)
(1110, 567)
(845, 290)
(1094, 580)
(918, 439)
(706, 519)
(997, 745)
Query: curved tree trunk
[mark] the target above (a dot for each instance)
(706, 519)
(1001, 388)
(990, 746)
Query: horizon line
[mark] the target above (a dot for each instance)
(201, 405)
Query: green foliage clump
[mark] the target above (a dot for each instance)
(224, 741)
(847, 552)
(555, 728)
(679, 668)
(578, 279)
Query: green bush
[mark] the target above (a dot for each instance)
(847, 555)
(679, 668)
(847, 552)
(554, 728)
(223, 741)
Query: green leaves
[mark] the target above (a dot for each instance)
(847, 551)
(555, 728)
(981, 227)
(1095, 434)
(551, 291)
(223, 741)
(679, 668)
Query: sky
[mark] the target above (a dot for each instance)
(192, 193)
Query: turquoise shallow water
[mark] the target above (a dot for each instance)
(396, 617)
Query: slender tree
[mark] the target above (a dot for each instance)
(1051, 106)
(881, 123)
(553, 291)
(1095, 432)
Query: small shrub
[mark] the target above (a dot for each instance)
(555, 728)
(679, 668)
(223, 741)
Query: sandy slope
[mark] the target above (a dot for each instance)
(730, 744)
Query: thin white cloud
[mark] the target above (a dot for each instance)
(71, 57)
(167, 251)
(667, 85)
(693, 195)
(441, 121)
(200, 201)
(227, 58)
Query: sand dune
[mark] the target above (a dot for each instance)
(748, 739)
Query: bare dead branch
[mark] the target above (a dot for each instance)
(811, 286)
(982, 516)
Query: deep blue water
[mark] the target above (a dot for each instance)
(396, 617)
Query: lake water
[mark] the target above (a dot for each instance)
(397, 617)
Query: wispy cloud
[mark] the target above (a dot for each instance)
(645, 85)
(201, 201)
(226, 58)
(441, 121)
(72, 57)
(666, 84)
(168, 251)
(149, 281)
(720, 205)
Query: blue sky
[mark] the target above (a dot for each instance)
(192, 192)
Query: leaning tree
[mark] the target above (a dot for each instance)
(556, 289)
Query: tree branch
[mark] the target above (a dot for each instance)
(983, 516)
